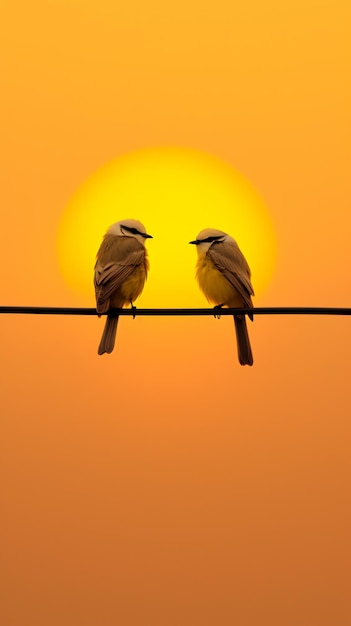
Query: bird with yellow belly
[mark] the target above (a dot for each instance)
(225, 278)
(120, 273)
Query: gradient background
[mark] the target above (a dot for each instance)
(167, 485)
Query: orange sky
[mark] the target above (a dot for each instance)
(165, 484)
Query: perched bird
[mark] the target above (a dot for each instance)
(120, 273)
(224, 277)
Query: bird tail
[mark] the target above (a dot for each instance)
(108, 338)
(243, 341)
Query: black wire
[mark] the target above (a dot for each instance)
(46, 310)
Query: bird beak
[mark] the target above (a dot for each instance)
(146, 236)
(196, 242)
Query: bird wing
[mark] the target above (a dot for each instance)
(230, 261)
(117, 258)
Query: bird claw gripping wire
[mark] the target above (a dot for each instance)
(216, 308)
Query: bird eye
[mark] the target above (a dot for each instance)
(130, 230)
(212, 239)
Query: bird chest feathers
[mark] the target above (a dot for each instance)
(213, 284)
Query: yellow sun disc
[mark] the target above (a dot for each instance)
(175, 193)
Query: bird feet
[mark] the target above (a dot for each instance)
(217, 308)
(133, 309)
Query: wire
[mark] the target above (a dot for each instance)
(135, 312)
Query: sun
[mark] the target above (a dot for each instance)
(175, 193)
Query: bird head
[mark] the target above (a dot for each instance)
(207, 237)
(129, 228)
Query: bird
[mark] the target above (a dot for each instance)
(120, 273)
(224, 277)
